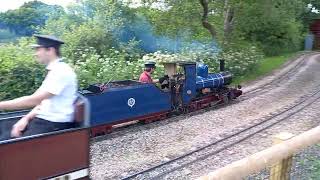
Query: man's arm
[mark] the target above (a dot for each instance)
(32, 113)
(26, 101)
(21, 125)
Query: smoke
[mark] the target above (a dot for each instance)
(142, 30)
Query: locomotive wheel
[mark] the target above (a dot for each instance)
(225, 99)
(231, 95)
(181, 110)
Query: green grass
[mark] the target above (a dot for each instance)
(311, 163)
(266, 66)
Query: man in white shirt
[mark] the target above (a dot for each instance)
(53, 102)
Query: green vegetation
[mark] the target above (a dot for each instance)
(315, 164)
(109, 40)
(6, 36)
(20, 74)
(264, 67)
(309, 164)
(31, 16)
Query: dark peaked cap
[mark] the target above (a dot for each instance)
(150, 64)
(47, 41)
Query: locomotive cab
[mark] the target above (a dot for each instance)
(182, 82)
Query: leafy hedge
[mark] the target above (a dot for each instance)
(19, 73)
(92, 67)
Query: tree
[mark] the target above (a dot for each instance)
(309, 15)
(30, 16)
(92, 23)
(205, 21)
(186, 20)
(274, 25)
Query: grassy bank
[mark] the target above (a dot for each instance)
(266, 66)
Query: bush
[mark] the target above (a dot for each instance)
(242, 59)
(19, 73)
(114, 65)
(238, 59)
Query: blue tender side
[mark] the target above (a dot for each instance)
(122, 103)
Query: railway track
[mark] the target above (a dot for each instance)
(173, 165)
(279, 80)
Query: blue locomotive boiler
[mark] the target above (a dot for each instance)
(211, 80)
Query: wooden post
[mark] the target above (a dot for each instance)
(281, 170)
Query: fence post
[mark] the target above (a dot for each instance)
(281, 170)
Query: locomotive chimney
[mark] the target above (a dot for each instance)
(221, 65)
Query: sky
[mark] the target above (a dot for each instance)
(14, 4)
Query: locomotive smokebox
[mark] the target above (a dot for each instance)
(222, 61)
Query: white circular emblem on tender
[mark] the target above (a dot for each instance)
(189, 92)
(131, 102)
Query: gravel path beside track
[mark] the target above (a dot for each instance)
(135, 148)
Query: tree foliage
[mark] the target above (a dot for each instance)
(93, 23)
(274, 25)
(309, 14)
(19, 73)
(109, 40)
(31, 15)
(184, 18)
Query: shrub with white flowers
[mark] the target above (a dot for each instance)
(93, 68)
(241, 61)
(237, 61)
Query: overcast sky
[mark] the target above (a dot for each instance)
(14, 4)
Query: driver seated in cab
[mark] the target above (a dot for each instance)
(149, 68)
(145, 76)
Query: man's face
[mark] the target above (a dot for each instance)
(42, 55)
(152, 70)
